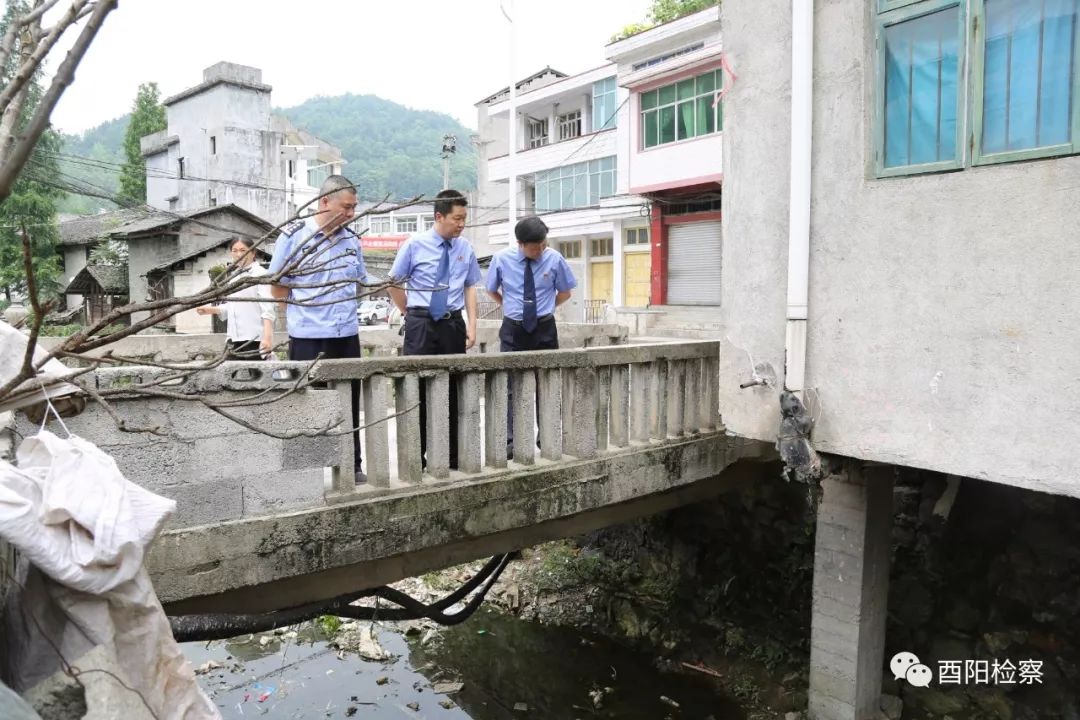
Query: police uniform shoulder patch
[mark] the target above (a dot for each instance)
(292, 227)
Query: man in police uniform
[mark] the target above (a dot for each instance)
(320, 264)
(529, 281)
(440, 273)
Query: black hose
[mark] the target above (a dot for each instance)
(218, 626)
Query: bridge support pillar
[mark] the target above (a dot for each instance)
(851, 585)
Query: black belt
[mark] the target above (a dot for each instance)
(541, 319)
(425, 313)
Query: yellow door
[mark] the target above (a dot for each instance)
(636, 278)
(601, 282)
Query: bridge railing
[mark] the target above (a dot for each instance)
(253, 457)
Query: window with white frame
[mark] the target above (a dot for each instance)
(569, 125)
(428, 222)
(316, 175)
(573, 186)
(570, 249)
(636, 236)
(681, 110)
(405, 223)
(601, 247)
(604, 105)
(382, 224)
(537, 134)
(1018, 102)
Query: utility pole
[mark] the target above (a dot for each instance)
(512, 123)
(449, 149)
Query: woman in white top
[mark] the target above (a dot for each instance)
(250, 323)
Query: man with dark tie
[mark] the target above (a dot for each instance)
(439, 270)
(529, 281)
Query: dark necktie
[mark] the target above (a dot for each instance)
(437, 307)
(528, 311)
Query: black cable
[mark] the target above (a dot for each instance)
(218, 626)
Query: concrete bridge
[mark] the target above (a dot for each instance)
(270, 516)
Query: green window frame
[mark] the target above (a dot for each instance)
(1002, 63)
(1068, 117)
(888, 27)
(681, 110)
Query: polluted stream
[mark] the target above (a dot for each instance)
(492, 667)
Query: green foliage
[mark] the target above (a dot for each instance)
(32, 203)
(110, 252)
(147, 117)
(663, 11)
(329, 624)
(91, 160)
(389, 148)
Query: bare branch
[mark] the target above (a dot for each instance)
(28, 371)
(32, 61)
(37, 12)
(14, 161)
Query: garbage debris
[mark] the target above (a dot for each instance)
(444, 688)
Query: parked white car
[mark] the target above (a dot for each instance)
(370, 312)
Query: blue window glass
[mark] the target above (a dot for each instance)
(1028, 74)
(921, 80)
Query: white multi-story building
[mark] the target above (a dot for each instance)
(223, 146)
(674, 76)
(569, 167)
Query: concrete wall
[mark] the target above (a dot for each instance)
(757, 122)
(940, 305)
(74, 261)
(191, 278)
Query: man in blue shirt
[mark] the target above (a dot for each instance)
(529, 281)
(439, 270)
(320, 263)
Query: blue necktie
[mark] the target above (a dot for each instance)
(528, 310)
(437, 307)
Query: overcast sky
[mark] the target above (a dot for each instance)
(402, 50)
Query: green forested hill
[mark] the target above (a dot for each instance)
(103, 143)
(389, 148)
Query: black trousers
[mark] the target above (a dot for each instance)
(333, 349)
(424, 336)
(514, 338)
(243, 350)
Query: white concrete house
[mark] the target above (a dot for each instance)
(568, 168)
(224, 146)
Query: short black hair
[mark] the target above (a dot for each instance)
(248, 242)
(530, 230)
(447, 199)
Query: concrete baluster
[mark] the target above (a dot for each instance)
(495, 391)
(551, 403)
(584, 423)
(641, 382)
(620, 405)
(603, 403)
(407, 405)
(692, 396)
(438, 425)
(569, 438)
(524, 416)
(676, 379)
(658, 400)
(376, 433)
(469, 387)
(344, 473)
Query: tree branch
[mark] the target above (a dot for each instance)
(14, 161)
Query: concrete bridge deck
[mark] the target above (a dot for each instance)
(270, 516)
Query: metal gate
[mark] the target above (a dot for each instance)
(693, 264)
